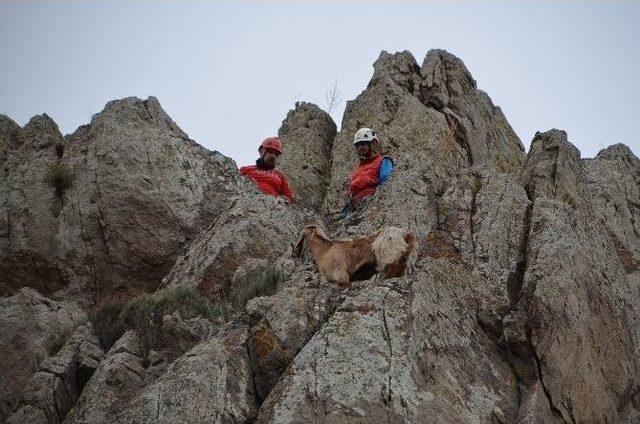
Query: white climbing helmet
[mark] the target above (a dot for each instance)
(364, 134)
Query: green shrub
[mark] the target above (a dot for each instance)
(144, 314)
(191, 303)
(60, 177)
(106, 323)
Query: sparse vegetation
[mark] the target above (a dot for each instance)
(106, 322)
(333, 97)
(60, 177)
(144, 313)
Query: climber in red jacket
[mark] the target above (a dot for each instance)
(264, 172)
(372, 171)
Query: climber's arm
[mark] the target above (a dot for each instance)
(385, 170)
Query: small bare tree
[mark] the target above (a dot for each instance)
(333, 96)
(296, 100)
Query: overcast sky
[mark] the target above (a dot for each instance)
(228, 72)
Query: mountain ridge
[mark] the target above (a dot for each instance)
(524, 304)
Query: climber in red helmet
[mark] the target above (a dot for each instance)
(264, 172)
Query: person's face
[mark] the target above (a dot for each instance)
(269, 156)
(364, 148)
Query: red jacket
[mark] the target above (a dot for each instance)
(365, 179)
(271, 182)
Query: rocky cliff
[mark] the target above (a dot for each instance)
(145, 280)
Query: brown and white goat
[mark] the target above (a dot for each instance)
(392, 248)
(338, 260)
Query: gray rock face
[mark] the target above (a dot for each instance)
(442, 322)
(430, 139)
(570, 317)
(416, 136)
(32, 207)
(482, 223)
(613, 184)
(307, 135)
(32, 328)
(210, 383)
(554, 168)
(255, 226)
(140, 189)
(118, 377)
(9, 131)
(399, 352)
(179, 336)
(54, 389)
(143, 189)
(282, 324)
(482, 128)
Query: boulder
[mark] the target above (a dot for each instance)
(32, 328)
(570, 319)
(399, 351)
(32, 208)
(54, 389)
(9, 131)
(137, 190)
(118, 377)
(255, 226)
(307, 136)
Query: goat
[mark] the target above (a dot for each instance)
(392, 248)
(338, 260)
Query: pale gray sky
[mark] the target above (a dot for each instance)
(228, 72)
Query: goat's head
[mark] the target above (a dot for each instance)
(308, 231)
(297, 249)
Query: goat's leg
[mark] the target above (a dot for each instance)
(341, 276)
(394, 270)
(381, 274)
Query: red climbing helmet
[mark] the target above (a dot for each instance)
(272, 143)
